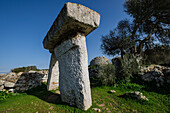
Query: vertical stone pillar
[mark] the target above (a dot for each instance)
(74, 78)
(53, 74)
(66, 38)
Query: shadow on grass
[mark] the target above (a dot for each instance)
(42, 93)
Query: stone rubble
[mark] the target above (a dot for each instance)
(97, 109)
(112, 91)
(22, 81)
(160, 74)
(136, 94)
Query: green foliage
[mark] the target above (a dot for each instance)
(4, 95)
(39, 100)
(129, 67)
(150, 23)
(160, 54)
(24, 69)
(117, 73)
(151, 18)
(93, 73)
(107, 75)
(118, 40)
(131, 86)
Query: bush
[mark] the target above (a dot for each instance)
(160, 54)
(4, 95)
(112, 74)
(131, 86)
(107, 75)
(129, 67)
(24, 69)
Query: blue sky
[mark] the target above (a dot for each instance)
(24, 24)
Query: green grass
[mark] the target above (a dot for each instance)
(42, 101)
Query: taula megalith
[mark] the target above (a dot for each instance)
(69, 61)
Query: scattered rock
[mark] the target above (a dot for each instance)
(112, 91)
(101, 105)
(57, 92)
(97, 109)
(11, 90)
(136, 94)
(51, 108)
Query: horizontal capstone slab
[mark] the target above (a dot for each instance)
(73, 18)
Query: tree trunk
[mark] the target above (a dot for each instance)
(122, 52)
(143, 41)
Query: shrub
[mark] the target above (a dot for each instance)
(121, 71)
(107, 75)
(129, 67)
(131, 86)
(24, 69)
(160, 54)
(4, 95)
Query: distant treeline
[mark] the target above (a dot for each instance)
(25, 69)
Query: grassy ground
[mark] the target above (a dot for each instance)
(39, 100)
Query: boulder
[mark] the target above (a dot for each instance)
(148, 77)
(100, 61)
(97, 109)
(112, 91)
(11, 90)
(136, 94)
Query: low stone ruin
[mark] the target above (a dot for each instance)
(100, 61)
(22, 81)
(69, 62)
(96, 65)
(160, 74)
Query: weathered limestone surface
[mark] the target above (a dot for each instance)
(22, 81)
(53, 74)
(73, 18)
(66, 39)
(74, 78)
(100, 61)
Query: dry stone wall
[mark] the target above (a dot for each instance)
(160, 74)
(21, 82)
